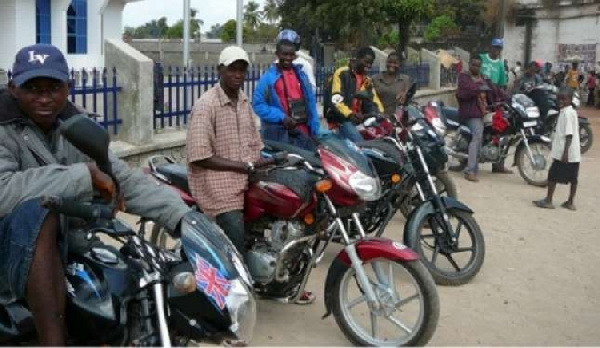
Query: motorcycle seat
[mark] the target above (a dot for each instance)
(276, 146)
(176, 174)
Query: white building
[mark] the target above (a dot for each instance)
(77, 27)
(553, 31)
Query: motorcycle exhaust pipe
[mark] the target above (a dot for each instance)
(453, 153)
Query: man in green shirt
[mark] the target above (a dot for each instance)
(492, 66)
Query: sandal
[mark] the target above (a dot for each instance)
(571, 206)
(543, 203)
(307, 297)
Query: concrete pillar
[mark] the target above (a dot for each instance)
(135, 101)
(432, 60)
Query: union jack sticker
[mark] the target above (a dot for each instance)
(212, 282)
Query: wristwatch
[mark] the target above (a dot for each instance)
(250, 167)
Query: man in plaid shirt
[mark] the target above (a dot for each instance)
(223, 146)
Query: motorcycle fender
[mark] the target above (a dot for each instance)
(415, 218)
(531, 139)
(367, 249)
(583, 120)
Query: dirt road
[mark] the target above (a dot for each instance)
(539, 284)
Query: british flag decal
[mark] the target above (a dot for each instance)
(212, 282)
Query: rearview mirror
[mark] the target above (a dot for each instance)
(88, 137)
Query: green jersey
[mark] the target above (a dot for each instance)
(493, 69)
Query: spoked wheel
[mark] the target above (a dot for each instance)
(443, 184)
(409, 304)
(451, 261)
(535, 170)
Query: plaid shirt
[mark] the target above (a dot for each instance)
(218, 128)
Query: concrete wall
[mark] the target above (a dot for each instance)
(577, 24)
(135, 101)
(8, 36)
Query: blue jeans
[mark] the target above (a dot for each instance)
(277, 132)
(476, 127)
(348, 131)
(232, 223)
(19, 231)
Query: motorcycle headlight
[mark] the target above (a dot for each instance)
(366, 187)
(242, 310)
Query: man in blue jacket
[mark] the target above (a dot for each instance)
(285, 102)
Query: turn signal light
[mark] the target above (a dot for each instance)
(396, 178)
(323, 186)
(309, 219)
(184, 282)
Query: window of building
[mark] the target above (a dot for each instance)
(77, 27)
(43, 31)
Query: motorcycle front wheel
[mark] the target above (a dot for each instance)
(535, 170)
(409, 309)
(449, 262)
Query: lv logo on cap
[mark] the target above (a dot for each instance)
(39, 57)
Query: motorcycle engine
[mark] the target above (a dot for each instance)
(263, 257)
(490, 153)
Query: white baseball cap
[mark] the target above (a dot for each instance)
(231, 54)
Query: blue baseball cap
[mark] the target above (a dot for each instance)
(290, 35)
(498, 42)
(40, 60)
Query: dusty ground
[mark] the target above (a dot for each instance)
(538, 285)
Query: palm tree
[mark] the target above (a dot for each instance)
(270, 11)
(252, 16)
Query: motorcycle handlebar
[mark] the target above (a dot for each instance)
(72, 208)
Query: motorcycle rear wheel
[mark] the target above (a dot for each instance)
(347, 295)
(586, 137)
(429, 245)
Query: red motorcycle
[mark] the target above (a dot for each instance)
(377, 289)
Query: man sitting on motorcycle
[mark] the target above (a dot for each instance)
(343, 110)
(36, 161)
(223, 148)
(285, 102)
(529, 79)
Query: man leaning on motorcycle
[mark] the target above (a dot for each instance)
(223, 148)
(36, 161)
(344, 110)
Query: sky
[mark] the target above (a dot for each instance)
(211, 11)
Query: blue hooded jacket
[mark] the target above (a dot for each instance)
(267, 105)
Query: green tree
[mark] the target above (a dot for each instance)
(439, 27)
(176, 31)
(404, 13)
(215, 31)
(252, 15)
(270, 11)
(229, 31)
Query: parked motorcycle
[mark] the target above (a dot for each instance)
(444, 216)
(545, 97)
(139, 295)
(293, 210)
(513, 123)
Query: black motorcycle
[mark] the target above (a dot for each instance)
(139, 295)
(519, 121)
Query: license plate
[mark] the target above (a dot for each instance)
(529, 124)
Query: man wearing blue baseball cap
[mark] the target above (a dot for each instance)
(36, 161)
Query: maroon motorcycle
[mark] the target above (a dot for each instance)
(377, 289)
